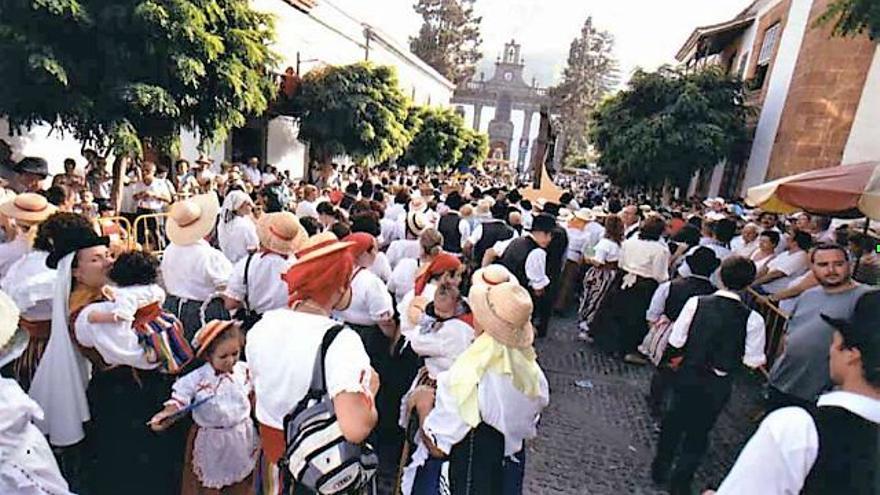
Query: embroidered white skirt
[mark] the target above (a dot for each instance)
(224, 456)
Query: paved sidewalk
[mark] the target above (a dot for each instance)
(599, 438)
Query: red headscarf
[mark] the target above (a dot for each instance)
(443, 262)
(320, 278)
(363, 242)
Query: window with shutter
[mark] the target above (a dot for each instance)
(771, 37)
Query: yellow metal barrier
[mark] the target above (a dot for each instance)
(775, 321)
(106, 224)
(154, 241)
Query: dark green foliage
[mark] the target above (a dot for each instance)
(114, 73)
(444, 141)
(356, 110)
(668, 124)
(853, 18)
(449, 39)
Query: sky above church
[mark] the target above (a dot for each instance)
(647, 33)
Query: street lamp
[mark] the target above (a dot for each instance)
(301, 61)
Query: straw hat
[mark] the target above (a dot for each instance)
(281, 232)
(418, 203)
(416, 222)
(28, 208)
(205, 335)
(504, 311)
(12, 340)
(192, 219)
(599, 212)
(320, 245)
(584, 214)
(491, 275)
(565, 215)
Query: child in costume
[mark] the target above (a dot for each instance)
(223, 445)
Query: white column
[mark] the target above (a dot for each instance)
(864, 142)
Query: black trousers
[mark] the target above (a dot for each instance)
(699, 396)
(661, 390)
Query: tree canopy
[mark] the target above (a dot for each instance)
(668, 124)
(590, 74)
(357, 110)
(854, 17)
(444, 141)
(115, 73)
(449, 39)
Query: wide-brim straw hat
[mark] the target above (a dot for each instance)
(13, 341)
(565, 215)
(416, 222)
(584, 214)
(281, 232)
(320, 245)
(504, 311)
(418, 203)
(28, 208)
(190, 220)
(599, 212)
(205, 335)
(492, 275)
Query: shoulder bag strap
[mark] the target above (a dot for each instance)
(247, 267)
(318, 387)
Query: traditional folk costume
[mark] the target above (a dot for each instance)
(489, 401)
(578, 236)
(529, 262)
(408, 246)
(192, 270)
(598, 281)
(31, 286)
(223, 447)
(236, 234)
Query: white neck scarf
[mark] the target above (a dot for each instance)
(59, 384)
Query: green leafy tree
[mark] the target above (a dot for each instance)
(591, 74)
(666, 125)
(449, 39)
(853, 18)
(474, 151)
(356, 110)
(119, 75)
(440, 140)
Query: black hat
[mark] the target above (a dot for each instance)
(32, 165)
(453, 200)
(551, 209)
(702, 261)
(543, 223)
(862, 325)
(72, 240)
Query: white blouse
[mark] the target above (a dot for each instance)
(439, 342)
(403, 278)
(127, 300)
(237, 237)
(265, 289)
(27, 466)
(402, 249)
(502, 407)
(606, 251)
(117, 343)
(227, 395)
(194, 272)
(281, 350)
(381, 267)
(12, 251)
(370, 300)
(31, 285)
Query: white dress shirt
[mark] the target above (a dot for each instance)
(780, 455)
(158, 187)
(401, 249)
(194, 272)
(755, 332)
(502, 406)
(281, 350)
(370, 300)
(265, 290)
(536, 264)
(253, 175)
(237, 237)
(27, 465)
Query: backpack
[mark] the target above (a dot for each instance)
(316, 455)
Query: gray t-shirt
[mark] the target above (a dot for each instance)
(803, 370)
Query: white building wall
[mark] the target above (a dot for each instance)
(864, 137)
(283, 149)
(777, 92)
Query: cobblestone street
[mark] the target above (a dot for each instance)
(599, 438)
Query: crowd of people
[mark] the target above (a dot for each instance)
(375, 328)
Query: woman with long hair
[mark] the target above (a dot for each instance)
(601, 271)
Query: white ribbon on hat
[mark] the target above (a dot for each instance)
(59, 384)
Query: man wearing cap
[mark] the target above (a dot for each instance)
(27, 174)
(454, 228)
(832, 449)
(801, 374)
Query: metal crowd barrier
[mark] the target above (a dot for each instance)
(125, 226)
(775, 321)
(157, 243)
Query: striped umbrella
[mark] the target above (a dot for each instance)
(846, 191)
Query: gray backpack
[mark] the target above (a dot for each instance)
(317, 456)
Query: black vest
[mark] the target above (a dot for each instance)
(515, 256)
(717, 335)
(847, 462)
(492, 232)
(682, 289)
(448, 226)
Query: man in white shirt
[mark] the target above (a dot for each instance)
(151, 195)
(308, 207)
(710, 338)
(787, 266)
(747, 242)
(252, 172)
(630, 216)
(833, 450)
